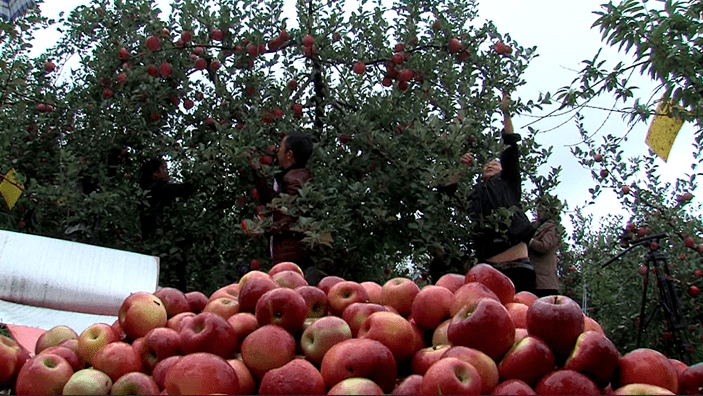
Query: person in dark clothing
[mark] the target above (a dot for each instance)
(293, 155)
(500, 186)
(162, 193)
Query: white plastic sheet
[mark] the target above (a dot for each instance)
(42, 273)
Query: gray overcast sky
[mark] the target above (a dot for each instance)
(562, 32)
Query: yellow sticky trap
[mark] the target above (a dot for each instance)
(10, 189)
(663, 131)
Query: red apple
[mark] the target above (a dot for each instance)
(308, 40)
(419, 335)
(229, 291)
(223, 306)
(251, 275)
(356, 386)
(485, 366)
(594, 355)
(200, 64)
(297, 377)
(496, 281)
(525, 297)
(399, 293)
(283, 307)
(208, 332)
(451, 376)
(518, 312)
(94, 338)
(359, 67)
(88, 381)
(201, 374)
(520, 333)
(286, 266)
(513, 387)
(425, 357)
(217, 35)
(451, 281)
(327, 282)
(177, 321)
(165, 70)
(680, 367)
(53, 337)
(355, 314)
(117, 359)
(243, 323)
(485, 326)
(556, 312)
(439, 335)
(152, 43)
(67, 353)
(162, 367)
(315, 299)
(252, 290)
(322, 335)
(247, 384)
(343, 294)
(646, 366)
(410, 385)
(266, 348)
(72, 344)
(454, 45)
(528, 361)
(362, 358)
(590, 324)
(566, 382)
(393, 331)
(141, 312)
(642, 389)
(135, 383)
(289, 278)
(374, 290)
(469, 294)
(431, 306)
(44, 374)
(12, 357)
(174, 301)
(691, 380)
(123, 53)
(157, 345)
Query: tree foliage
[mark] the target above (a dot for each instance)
(661, 40)
(385, 140)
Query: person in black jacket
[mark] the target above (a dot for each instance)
(500, 186)
(162, 193)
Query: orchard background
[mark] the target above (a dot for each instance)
(221, 82)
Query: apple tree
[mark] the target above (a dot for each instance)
(661, 41)
(392, 94)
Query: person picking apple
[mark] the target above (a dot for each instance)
(286, 245)
(500, 187)
(162, 193)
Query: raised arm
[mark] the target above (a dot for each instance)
(510, 158)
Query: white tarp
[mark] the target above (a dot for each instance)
(46, 318)
(56, 280)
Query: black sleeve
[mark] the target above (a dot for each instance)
(510, 162)
(173, 190)
(265, 190)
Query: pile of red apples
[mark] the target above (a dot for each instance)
(273, 333)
